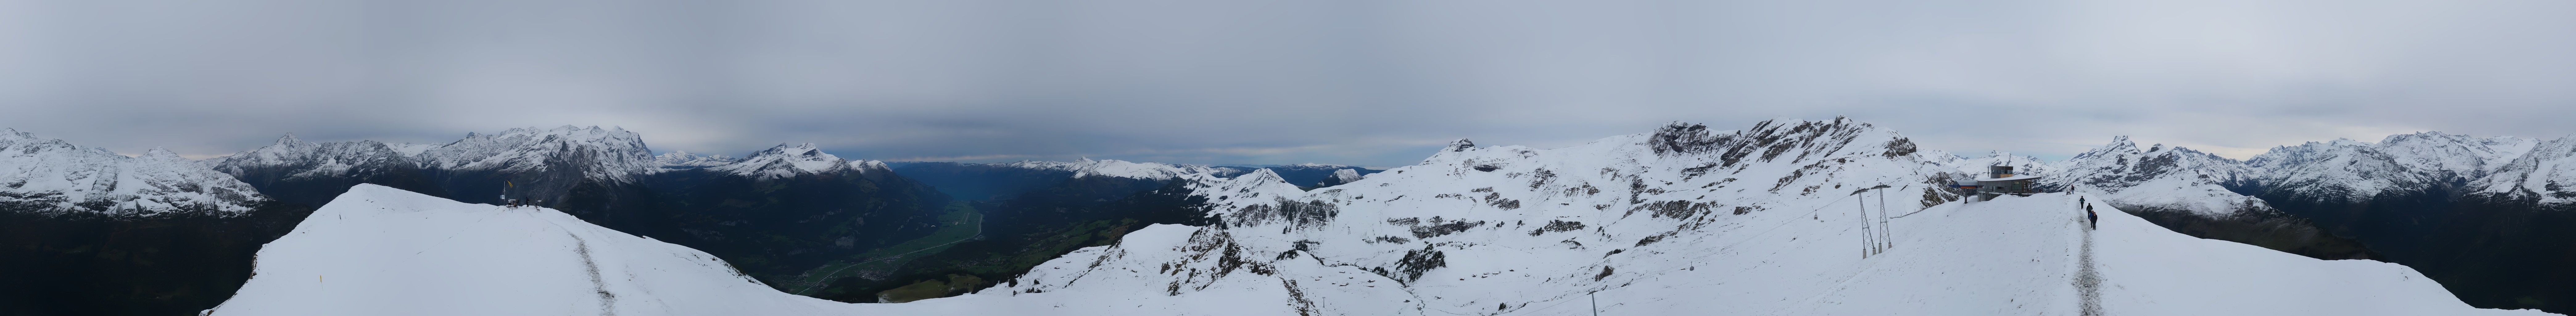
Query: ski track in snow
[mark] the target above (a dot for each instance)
(2088, 281)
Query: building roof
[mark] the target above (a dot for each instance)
(2011, 178)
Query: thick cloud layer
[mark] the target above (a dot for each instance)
(1357, 82)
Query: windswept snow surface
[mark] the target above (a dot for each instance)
(383, 251)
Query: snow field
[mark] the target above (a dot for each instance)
(383, 251)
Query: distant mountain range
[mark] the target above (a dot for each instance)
(1784, 218)
(100, 231)
(2487, 216)
(780, 214)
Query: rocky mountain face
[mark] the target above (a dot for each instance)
(2544, 174)
(528, 163)
(312, 173)
(50, 176)
(86, 231)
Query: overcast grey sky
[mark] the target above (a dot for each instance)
(1379, 83)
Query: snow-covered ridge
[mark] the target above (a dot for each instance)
(2546, 173)
(50, 176)
(784, 161)
(2341, 169)
(1120, 168)
(327, 159)
(2449, 157)
(2352, 170)
(2159, 178)
(686, 160)
(612, 154)
(2162, 177)
(608, 154)
(383, 251)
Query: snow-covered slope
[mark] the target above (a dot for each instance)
(2159, 178)
(785, 161)
(612, 154)
(382, 251)
(50, 176)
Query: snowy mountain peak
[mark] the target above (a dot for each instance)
(2120, 145)
(2546, 173)
(870, 166)
(685, 160)
(2451, 157)
(2159, 178)
(299, 158)
(289, 139)
(1461, 144)
(1120, 168)
(784, 161)
(159, 153)
(54, 177)
(592, 152)
(2342, 169)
